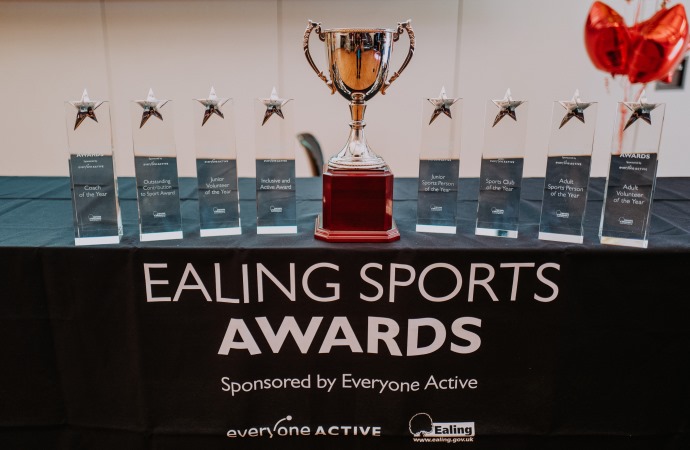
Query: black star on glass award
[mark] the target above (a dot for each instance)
(632, 173)
(216, 166)
(567, 170)
(500, 183)
(155, 167)
(97, 218)
(276, 201)
(439, 165)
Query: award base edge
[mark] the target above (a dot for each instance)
(494, 232)
(441, 229)
(161, 236)
(561, 237)
(276, 229)
(229, 231)
(324, 234)
(98, 240)
(625, 242)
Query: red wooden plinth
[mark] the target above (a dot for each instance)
(357, 207)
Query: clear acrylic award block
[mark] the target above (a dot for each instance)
(439, 165)
(216, 166)
(97, 218)
(500, 179)
(276, 202)
(632, 174)
(155, 166)
(567, 170)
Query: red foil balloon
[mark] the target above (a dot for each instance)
(659, 44)
(607, 39)
(645, 52)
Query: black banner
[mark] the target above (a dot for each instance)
(323, 349)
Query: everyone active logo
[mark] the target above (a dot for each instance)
(159, 215)
(436, 208)
(217, 210)
(624, 221)
(562, 215)
(498, 211)
(276, 209)
(424, 429)
(284, 428)
(94, 218)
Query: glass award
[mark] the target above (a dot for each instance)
(216, 166)
(276, 202)
(567, 170)
(439, 165)
(97, 218)
(155, 166)
(632, 173)
(500, 178)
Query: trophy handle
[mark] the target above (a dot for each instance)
(406, 26)
(315, 26)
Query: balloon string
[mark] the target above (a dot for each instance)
(637, 12)
(621, 111)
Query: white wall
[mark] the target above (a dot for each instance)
(51, 50)
(536, 47)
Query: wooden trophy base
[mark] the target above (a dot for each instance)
(357, 207)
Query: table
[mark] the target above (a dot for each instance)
(284, 341)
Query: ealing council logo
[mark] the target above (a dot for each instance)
(424, 429)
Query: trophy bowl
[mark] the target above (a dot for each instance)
(358, 60)
(357, 183)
